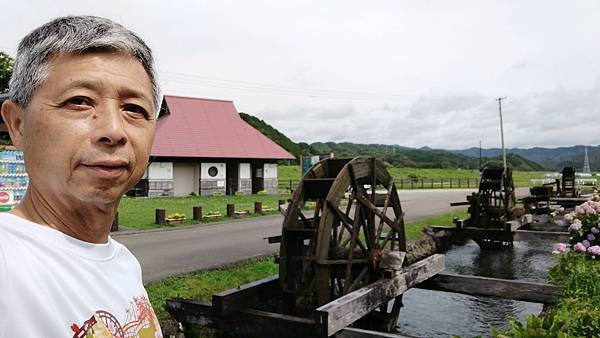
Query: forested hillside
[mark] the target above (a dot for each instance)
(398, 156)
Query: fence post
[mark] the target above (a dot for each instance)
(197, 213)
(401, 183)
(442, 183)
(459, 182)
(115, 223)
(230, 210)
(412, 184)
(432, 183)
(290, 184)
(468, 182)
(160, 217)
(279, 204)
(258, 207)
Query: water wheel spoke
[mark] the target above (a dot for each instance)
(353, 241)
(359, 278)
(393, 224)
(385, 207)
(348, 223)
(348, 209)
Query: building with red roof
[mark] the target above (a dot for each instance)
(203, 146)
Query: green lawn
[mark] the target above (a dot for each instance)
(521, 178)
(201, 285)
(139, 212)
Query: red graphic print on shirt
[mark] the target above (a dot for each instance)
(141, 322)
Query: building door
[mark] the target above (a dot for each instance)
(257, 177)
(232, 179)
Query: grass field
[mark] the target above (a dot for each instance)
(139, 212)
(521, 178)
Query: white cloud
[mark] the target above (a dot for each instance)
(404, 72)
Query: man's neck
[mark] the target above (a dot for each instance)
(89, 223)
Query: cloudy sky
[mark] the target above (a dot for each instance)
(413, 73)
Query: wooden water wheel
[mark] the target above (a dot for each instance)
(357, 216)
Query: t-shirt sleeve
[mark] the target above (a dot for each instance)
(3, 284)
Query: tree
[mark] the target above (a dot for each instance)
(6, 67)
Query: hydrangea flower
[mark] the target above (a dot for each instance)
(591, 237)
(579, 247)
(576, 225)
(594, 250)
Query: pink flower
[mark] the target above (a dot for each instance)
(569, 217)
(579, 210)
(589, 211)
(560, 247)
(579, 247)
(575, 226)
(594, 250)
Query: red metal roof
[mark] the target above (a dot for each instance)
(211, 129)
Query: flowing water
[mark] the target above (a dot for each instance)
(440, 314)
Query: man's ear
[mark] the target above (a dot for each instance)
(12, 114)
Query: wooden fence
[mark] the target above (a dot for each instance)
(412, 183)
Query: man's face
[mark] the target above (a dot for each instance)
(88, 130)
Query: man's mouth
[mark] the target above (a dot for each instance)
(108, 169)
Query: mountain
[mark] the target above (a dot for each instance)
(395, 155)
(295, 149)
(549, 158)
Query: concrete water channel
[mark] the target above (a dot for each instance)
(439, 314)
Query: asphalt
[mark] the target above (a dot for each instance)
(172, 251)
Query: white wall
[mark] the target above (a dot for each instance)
(220, 171)
(270, 170)
(245, 171)
(160, 171)
(186, 178)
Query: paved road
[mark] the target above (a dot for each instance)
(173, 251)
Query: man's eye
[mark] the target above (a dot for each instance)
(78, 101)
(138, 110)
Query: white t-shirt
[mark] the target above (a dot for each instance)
(53, 285)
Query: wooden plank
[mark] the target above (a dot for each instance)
(458, 204)
(344, 311)
(527, 235)
(192, 312)
(493, 287)
(247, 295)
(262, 324)
(317, 187)
(360, 333)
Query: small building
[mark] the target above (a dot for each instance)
(203, 146)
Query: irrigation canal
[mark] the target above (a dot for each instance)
(438, 314)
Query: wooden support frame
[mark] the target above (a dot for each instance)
(493, 287)
(344, 311)
(245, 296)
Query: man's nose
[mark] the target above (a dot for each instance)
(110, 126)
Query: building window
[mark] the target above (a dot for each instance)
(213, 171)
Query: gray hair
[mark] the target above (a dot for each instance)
(73, 35)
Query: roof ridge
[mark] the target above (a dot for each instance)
(197, 98)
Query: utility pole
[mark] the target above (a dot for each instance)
(505, 171)
(502, 131)
(479, 155)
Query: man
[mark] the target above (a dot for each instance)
(83, 103)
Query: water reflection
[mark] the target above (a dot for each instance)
(439, 314)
